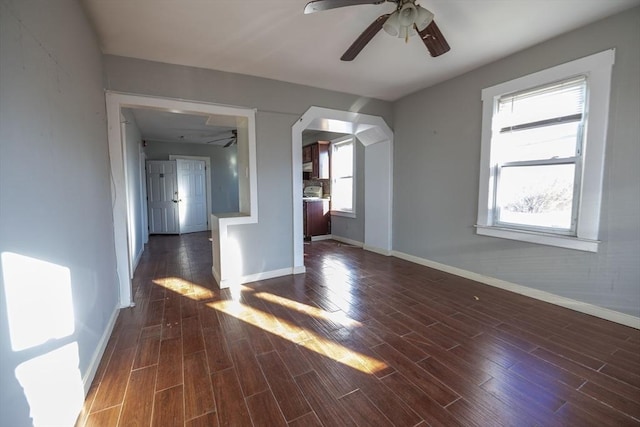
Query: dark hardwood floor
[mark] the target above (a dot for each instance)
(359, 340)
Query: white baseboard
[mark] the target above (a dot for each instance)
(362, 245)
(87, 379)
(321, 237)
(216, 276)
(136, 261)
(385, 252)
(299, 269)
(226, 283)
(358, 244)
(266, 275)
(347, 241)
(582, 307)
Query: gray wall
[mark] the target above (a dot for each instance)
(436, 167)
(133, 144)
(55, 198)
(224, 177)
(266, 245)
(353, 228)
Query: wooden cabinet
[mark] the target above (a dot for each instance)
(318, 154)
(306, 154)
(317, 219)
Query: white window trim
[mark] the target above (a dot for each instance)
(342, 212)
(597, 68)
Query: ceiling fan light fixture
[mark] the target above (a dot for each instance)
(407, 14)
(423, 18)
(392, 25)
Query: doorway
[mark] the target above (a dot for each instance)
(199, 169)
(162, 193)
(176, 196)
(377, 137)
(122, 196)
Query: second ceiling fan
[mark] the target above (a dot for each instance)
(407, 20)
(233, 139)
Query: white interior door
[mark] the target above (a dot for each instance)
(162, 194)
(193, 196)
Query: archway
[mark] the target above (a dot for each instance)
(377, 137)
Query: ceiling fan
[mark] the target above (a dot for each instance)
(407, 20)
(233, 139)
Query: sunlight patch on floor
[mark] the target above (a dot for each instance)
(287, 330)
(338, 317)
(185, 288)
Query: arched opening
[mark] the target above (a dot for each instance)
(377, 137)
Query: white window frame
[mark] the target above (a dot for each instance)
(597, 69)
(350, 213)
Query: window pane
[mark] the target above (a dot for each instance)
(538, 196)
(342, 176)
(342, 194)
(555, 100)
(343, 160)
(560, 141)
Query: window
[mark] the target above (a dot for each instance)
(542, 159)
(342, 179)
(536, 143)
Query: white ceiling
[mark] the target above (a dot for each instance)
(274, 39)
(165, 126)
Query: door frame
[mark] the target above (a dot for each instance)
(115, 102)
(207, 179)
(143, 202)
(377, 137)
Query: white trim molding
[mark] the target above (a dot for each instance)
(582, 307)
(377, 137)
(90, 374)
(541, 238)
(347, 241)
(299, 270)
(321, 237)
(136, 261)
(380, 251)
(240, 280)
(117, 155)
(597, 69)
(364, 246)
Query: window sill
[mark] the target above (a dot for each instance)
(343, 213)
(539, 238)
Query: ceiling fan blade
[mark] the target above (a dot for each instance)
(364, 38)
(434, 40)
(320, 5)
(234, 135)
(230, 143)
(220, 139)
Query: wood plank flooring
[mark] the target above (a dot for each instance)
(359, 340)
